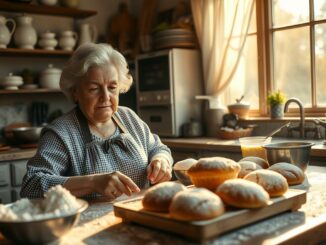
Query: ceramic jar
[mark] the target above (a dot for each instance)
(48, 41)
(50, 77)
(5, 32)
(68, 40)
(25, 35)
(88, 34)
(11, 82)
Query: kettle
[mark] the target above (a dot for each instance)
(5, 32)
(88, 34)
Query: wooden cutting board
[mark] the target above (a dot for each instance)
(132, 211)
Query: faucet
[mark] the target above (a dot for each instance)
(299, 103)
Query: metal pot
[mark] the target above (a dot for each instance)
(297, 153)
(27, 135)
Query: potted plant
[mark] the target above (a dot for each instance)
(276, 102)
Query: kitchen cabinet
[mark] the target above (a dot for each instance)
(11, 177)
(75, 13)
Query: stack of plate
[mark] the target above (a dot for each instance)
(175, 38)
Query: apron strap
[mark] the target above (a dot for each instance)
(117, 120)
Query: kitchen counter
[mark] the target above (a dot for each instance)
(98, 225)
(213, 144)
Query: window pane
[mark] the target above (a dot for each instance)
(289, 12)
(320, 9)
(320, 53)
(292, 63)
(245, 80)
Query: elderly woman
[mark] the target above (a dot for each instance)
(99, 149)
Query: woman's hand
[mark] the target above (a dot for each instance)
(113, 185)
(159, 170)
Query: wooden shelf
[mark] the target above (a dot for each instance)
(30, 91)
(34, 52)
(45, 10)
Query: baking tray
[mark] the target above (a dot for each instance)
(132, 211)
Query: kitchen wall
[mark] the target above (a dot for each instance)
(14, 108)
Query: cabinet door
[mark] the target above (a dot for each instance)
(4, 175)
(5, 196)
(18, 170)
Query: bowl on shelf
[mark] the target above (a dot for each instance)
(296, 152)
(11, 82)
(41, 231)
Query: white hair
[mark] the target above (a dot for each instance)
(93, 55)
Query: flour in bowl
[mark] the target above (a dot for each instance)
(58, 201)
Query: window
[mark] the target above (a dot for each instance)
(286, 51)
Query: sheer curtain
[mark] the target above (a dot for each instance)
(221, 27)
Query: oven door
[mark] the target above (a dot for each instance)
(160, 119)
(153, 73)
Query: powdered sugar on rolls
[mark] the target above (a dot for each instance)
(293, 174)
(196, 204)
(274, 183)
(242, 193)
(158, 198)
(210, 172)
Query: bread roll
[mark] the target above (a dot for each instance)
(293, 174)
(184, 164)
(258, 160)
(274, 183)
(247, 167)
(158, 197)
(196, 204)
(212, 171)
(242, 193)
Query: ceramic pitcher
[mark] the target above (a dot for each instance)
(5, 32)
(68, 40)
(88, 34)
(25, 35)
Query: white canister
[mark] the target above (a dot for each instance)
(5, 32)
(25, 35)
(68, 40)
(50, 77)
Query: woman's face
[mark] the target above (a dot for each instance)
(98, 93)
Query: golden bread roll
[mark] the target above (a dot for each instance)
(158, 197)
(242, 193)
(247, 167)
(184, 164)
(212, 171)
(274, 183)
(258, 160)
(196, 204)
(293, 174)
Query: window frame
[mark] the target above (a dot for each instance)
(265, 58)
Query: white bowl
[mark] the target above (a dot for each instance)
(11, 81)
